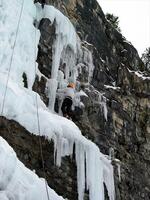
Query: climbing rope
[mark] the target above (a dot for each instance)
(38, 123)
(11, 59)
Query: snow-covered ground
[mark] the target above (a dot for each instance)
(20, 102)
(17, 182)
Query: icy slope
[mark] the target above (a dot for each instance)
(18, 182)
(20, 103)
(64, 136)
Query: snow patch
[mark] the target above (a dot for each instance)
(139, 74)
(18, 182)
(111, 87)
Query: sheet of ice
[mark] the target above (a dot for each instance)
(69, 58)
(91, 67)
(88, 60)
(49, 125)
(25, 44)
(61, 82)
(65, 37)
(20, 102)
(63, 135)
(103, 103)
(17, 182)
(98, 98)
(52, 87)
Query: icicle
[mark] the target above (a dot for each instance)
(88, 60)
(111, 153)
(65, 148)
(119, 171)
(91, 67)
(105, 107)
(118, 164)
(108, 175)
(71, 145)
(57, 49)
(68, 57)
(54, 139)
(102, 100)
(58, 46)
(94, 174)
(59, 151)
(60, 79)
(80, 160)
(52, 87)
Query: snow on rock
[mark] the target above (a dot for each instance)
(17, 182)
(111, 87)
(20, 102)
(139, 74)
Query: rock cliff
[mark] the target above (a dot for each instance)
(116, 114)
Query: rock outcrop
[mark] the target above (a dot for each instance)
(127, 126)
(27, 148)
(116, 115)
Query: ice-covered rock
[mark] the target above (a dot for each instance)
(26, 107)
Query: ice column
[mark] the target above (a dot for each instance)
(80, 160)
(103, 104)
(68, 57)
(88, 60)
(58, 47)
(65, 36)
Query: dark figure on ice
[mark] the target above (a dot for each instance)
(68, 94)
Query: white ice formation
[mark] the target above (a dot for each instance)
(20, 102)
(66, 42)
(17, 182)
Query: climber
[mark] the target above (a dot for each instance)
(68, 94)
(78, 103)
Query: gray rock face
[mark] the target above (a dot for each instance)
(114, 117)
(27, 148)
(127, 132)
(126, 129)
(45, 46)
(109, 45)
